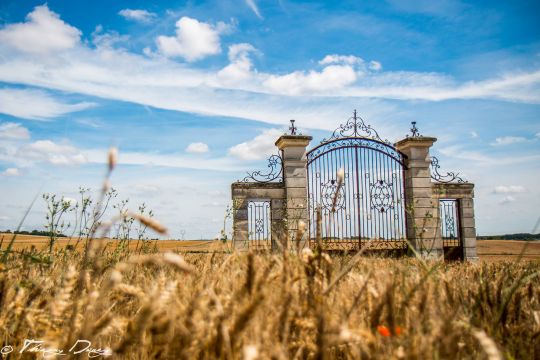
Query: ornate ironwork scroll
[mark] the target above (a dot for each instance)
(382, 195)
(329, 190)
(259, 224)
(355, 142)
(448, 212)
(275, 165)
(450, 177)
(355, 127)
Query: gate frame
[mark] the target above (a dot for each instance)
(286, 186)
(448, 251)
(373, 143)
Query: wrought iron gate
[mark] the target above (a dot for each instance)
(451, 237)
(259, 224)
(370, 205)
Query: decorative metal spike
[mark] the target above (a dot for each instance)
(414, 130)
(293, 128)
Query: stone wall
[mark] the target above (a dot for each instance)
(288, 199)
(464, 193)
(242, 193)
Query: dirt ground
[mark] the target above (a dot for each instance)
(488, 250)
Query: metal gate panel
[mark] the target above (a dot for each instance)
(450, 228)
(370, 205)
(449, 214)
(259, 224)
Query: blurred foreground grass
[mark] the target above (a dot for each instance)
(280, 306)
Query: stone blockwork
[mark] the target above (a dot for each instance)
(422, 213)
(464, 193)
(242, 193)
(293, 150)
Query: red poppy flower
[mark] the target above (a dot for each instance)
(383, 330)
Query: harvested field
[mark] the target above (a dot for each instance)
(488, 250)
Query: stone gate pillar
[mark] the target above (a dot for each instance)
(423, 228)
(293, 150)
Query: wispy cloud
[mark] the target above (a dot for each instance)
(509, 189)
(51, 152)
(240, 89)
(480, 158)
(11, 172)
(507, 199)
(166, 160)
(139, 15)
(253, 6)
(508, 140)
(13, 131)
(35, 104)
(197, 147)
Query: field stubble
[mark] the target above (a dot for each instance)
(488, 250)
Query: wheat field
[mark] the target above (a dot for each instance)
(112, 298)
(280, 306)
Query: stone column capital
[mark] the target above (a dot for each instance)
(286, 141)
(406, 144)
(416, 148)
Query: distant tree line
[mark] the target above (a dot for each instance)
(33, 232)
(518, 236)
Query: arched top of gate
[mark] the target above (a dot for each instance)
(356, 133)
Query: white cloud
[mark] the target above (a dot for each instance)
(331, 77)
(474, 134)
(107, 39)
(341, 59)
(508, 140)
(35, 104)
(11, 172)
(139, 15)
(253, 6)
(240, 68)
(197, 147)
(194, 40)
(43, 32)
(50, 152)
(13, 131)
(146, 189)
(507, 199)
(258, 148)
(510, 189)
(169, 160)
(318, 95)
(538, 135)
(480, 158)
(375, 65)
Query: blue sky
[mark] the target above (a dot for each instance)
(195, 93)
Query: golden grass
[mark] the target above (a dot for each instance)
(241, 305)
(107, 299)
